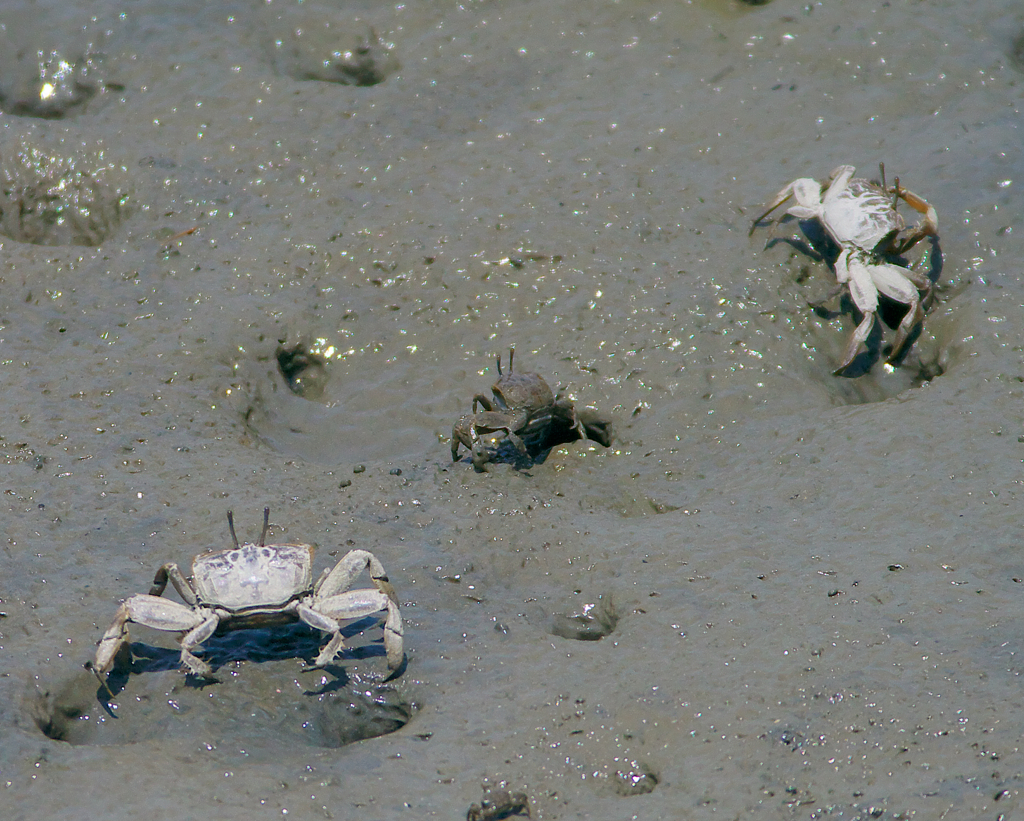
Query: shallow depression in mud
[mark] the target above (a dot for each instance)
(302, 403)
(56, 194)
(59, 70)
(257, 705)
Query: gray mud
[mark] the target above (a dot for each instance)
(779, 593)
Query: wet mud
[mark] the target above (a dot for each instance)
(266, 257)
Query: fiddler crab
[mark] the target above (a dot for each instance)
(861, 217)
(525, 408)
(256, 585)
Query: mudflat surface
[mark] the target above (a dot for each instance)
(778, 594)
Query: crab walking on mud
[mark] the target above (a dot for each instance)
(256, 585)
(861, 217)
(523, 406)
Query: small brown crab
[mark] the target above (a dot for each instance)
(524, 407)
(256, 585)
(861, 217)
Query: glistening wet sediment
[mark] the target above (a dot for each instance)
(581, 189)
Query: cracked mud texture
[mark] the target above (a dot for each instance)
(579, 186)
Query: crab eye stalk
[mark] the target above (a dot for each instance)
(231, 527)
(266, 526)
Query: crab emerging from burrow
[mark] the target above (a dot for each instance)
(861, 217)
(525, 408)
(256, 585)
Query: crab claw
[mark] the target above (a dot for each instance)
(463, 432)
(807, 193)
(928, 227)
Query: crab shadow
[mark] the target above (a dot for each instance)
(815, 242)
(258, 645)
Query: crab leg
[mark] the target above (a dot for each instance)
(892, 281)
(928, 227)
(354, 604)
(852, 271)
(468, 429)
(340, 577)
(193, 639)
(463, 433)
(805, 190)
(860, 336)
(517, 440)
(160, 614)
(483, 401)
(110, 643)
(170, 571)
(332, 600)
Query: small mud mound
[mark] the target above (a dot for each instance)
(347, 53)
(634, 778)
(60, 64)
(55, 198)
(51, 85)
(624, 774)
(595, 622)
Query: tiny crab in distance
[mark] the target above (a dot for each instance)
(861, 217)
(525, 408)
(256, 585)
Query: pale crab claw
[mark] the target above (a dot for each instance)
(807, 193)
(928, 227)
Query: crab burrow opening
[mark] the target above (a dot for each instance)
(265, 695)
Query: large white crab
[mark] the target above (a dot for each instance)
(861, 217)
(256, 585)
